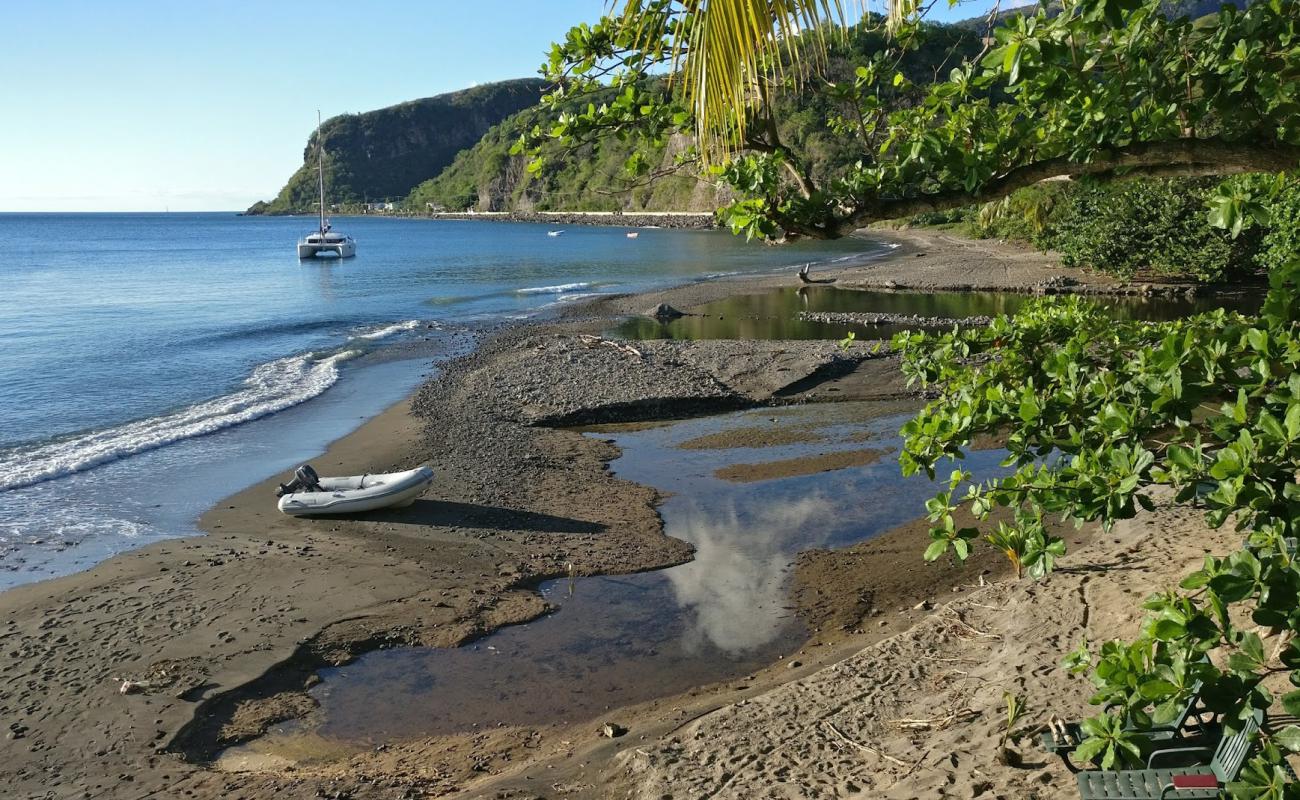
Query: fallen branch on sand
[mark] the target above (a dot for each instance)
(591, 340)
(956, 619)
(804, 278)
(863, 747)
(936, 723)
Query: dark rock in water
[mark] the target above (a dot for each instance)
(664, 312)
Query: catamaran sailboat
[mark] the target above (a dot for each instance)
(325, 239)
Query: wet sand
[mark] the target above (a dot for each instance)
(224, 632)
(752, 437)
(803, 465)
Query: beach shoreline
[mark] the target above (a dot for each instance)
(221, 634)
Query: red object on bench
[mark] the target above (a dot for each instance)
(1208, 781)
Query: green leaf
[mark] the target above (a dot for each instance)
(1292, 421)
(961, 548)
(936, 549)
(1156, 689)
(1288, 737)
(1089, 749)
(1166, 630)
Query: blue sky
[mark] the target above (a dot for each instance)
(141, 105)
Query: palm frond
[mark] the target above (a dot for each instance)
(723, 50)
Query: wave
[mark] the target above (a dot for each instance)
(259, 330)
(558, 289)
(388, 330)
(63, 525)
(273, 386)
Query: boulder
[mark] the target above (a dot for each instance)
(664, 313)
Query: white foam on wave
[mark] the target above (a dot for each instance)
(558, 289)
(573, 298)
(388, 330)
(273, 386)
(64, 526)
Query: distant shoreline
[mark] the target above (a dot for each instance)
(700, 220)
(638, 219)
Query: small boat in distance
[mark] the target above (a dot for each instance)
(325, 239)
(633, 234)
(554, 233)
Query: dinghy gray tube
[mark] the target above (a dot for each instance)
(359, 493)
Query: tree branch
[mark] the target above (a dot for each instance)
(1180, 157)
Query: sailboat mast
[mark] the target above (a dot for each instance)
(320, 170)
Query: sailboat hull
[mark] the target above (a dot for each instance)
(341, 249)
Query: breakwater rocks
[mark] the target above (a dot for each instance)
(882, 318)
(1060, 284)
(646, 219)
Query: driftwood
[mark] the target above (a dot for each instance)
(839, 734)
(803, 276)
(624, 348)
(936, 723)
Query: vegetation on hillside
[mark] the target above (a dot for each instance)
(590, 177)
(1103, 419)
(601, 173)
(380, 155)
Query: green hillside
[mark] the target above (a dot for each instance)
(592, 178)
(487, 178)
(382, 154)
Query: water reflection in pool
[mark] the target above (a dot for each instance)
(623, 639)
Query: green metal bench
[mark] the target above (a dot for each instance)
(1198, 781)
(1190, 727)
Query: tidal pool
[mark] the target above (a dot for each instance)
(618, 640)
(775, 314)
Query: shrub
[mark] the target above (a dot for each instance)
(1024, 215)
(945, 217)
(1155, 225)
(1281, 238)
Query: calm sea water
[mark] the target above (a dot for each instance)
(152, 363)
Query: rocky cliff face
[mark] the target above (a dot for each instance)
(383, 154)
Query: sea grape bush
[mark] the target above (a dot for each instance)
(1104, 88)
(1098, 415)
(1151, 225)
(1281, 229)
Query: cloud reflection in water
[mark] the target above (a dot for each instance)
(735, 587)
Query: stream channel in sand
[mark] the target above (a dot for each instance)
(618, 640)
(613, 641)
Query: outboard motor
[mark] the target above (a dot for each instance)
(305, 479)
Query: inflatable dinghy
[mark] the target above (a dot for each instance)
(309, 493)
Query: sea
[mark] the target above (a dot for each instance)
(152, 364)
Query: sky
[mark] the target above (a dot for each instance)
(205, 105)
